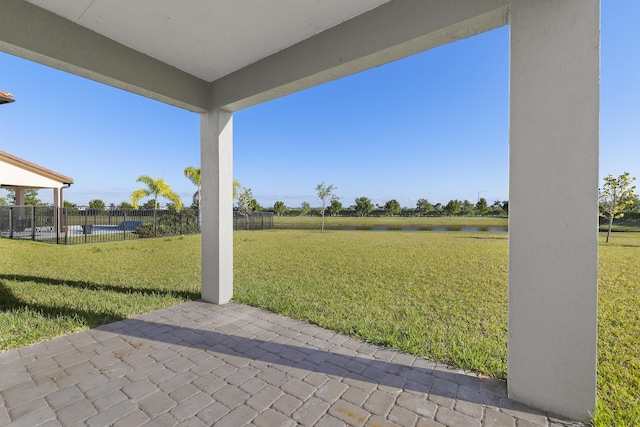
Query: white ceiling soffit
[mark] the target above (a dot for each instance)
(208, 38)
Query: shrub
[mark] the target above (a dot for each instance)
(169, 224)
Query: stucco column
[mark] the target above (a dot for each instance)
(19, 197)
(19, 201)
(57, 197)
(553, 207)
(57, 204)
(217, 205)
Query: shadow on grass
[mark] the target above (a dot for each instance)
(9, 302)
(90, 286)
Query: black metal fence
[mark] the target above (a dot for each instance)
(84, 225)
(72, 226)
(253, 221)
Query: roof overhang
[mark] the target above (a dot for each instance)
(19, 173)
(232, 54)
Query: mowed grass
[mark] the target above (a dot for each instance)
(619, 331)
(438, 295)
(49, 290)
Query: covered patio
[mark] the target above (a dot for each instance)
(218, 57)
(201, 364)
(19, 175)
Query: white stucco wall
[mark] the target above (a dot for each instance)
(11, 175)
(553, 205)
(217, 206)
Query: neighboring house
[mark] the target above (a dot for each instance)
(20, 175)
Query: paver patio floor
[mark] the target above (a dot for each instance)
(199, 364)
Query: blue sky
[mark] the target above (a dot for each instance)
(434, 126)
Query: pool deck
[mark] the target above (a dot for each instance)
(200, 364)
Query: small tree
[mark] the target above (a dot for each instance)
(615, 196)
(325, 192)
(255, 206)
(424, 207)
(392, 207)
(335, 207)
(97, 204)
(496, 208)
(71, 208)
(31, 198)
(11, 196)
(306, 208)
(245, 198)
(363, 206)
(125, 205)
(453, 207)
(481, 207)
(279, 208)
(467, 208)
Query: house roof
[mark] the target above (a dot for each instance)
(34, 168)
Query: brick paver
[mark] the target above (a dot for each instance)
(198, 364)
(310, 411)
(213, 412)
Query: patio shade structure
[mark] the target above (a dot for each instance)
(215, 57)
(19, 174)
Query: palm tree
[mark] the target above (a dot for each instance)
(193, 174)
(156, 188)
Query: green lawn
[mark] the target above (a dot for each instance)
(439, 295)
(619, 331)
(48, 290)
(432, 294)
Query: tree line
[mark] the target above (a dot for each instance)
(616, 199)
(363, 206)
